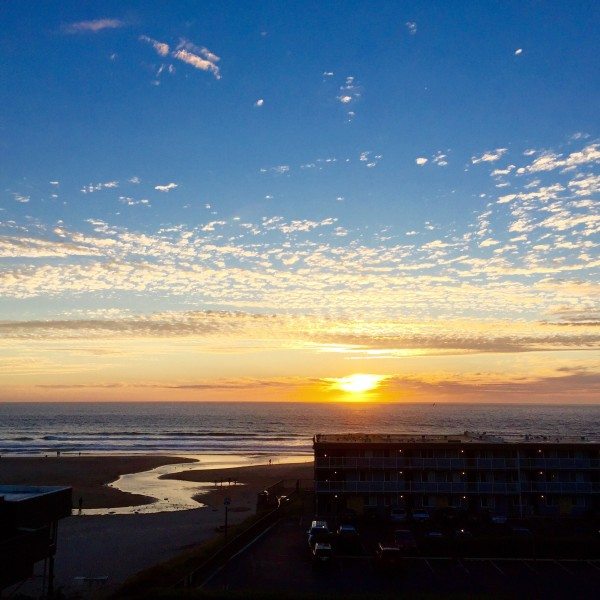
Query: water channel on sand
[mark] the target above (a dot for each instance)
(175, 494)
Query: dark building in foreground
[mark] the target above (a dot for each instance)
(28, 526)
(513, 476)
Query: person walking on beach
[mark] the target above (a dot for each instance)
(80, 504)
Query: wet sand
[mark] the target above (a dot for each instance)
(241, 484)
(88, 475)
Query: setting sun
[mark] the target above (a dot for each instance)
(359, 383)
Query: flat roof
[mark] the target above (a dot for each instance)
(20, 493)
(460, 438)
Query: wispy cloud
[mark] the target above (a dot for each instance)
(94, 26)
(412, 27)
(90, 188)
(198, 57)
(489, 156)
(162, 49)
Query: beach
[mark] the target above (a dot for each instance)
(119, 545)
(87, 475)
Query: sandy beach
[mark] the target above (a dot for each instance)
(87, 475)
(95, 546)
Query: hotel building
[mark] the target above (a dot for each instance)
(513, 476)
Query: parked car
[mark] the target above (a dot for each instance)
(434, 534)
(405, 541)
(420, 516)
(348, 537)
(322, 553)
(462, 534)
(318, 532)
(522, 532)
(387, 556)
(347, 532)
(398, 515)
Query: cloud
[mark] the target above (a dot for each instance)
(488, 242)
(93, 26)
(421, 160)
(559, 386)
(26, 247)
(440, 159)
(349, 93)
(549, 161)
(501, 172)
(489, 156)
(412, 27)
(518, 51)
(198, 57)
(21, 198)
(167, 187)
(279, 169)
(270, 331)
(584, 185)
(260, 102)
(162, 49)
(90, 188)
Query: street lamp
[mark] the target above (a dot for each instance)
(226, 503)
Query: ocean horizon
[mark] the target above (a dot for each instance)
(262, 428)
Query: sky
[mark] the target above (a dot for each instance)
(260, 200)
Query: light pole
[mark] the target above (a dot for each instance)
(226, 502)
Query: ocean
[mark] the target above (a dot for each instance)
(257, 429)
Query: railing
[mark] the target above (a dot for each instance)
(351, 462)
(425, 487)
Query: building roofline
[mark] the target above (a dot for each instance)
(465, 437)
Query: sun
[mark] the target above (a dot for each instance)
(359, 383)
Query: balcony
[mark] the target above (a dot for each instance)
(480, 464)
(425, 487)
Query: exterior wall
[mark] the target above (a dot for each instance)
(501, 478)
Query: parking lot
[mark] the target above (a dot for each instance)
(280, 562)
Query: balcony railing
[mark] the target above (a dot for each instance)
(425, 487)
(350, 462)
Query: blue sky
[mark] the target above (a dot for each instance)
(396, 165)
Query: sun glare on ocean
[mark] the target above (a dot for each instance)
(358, 383)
